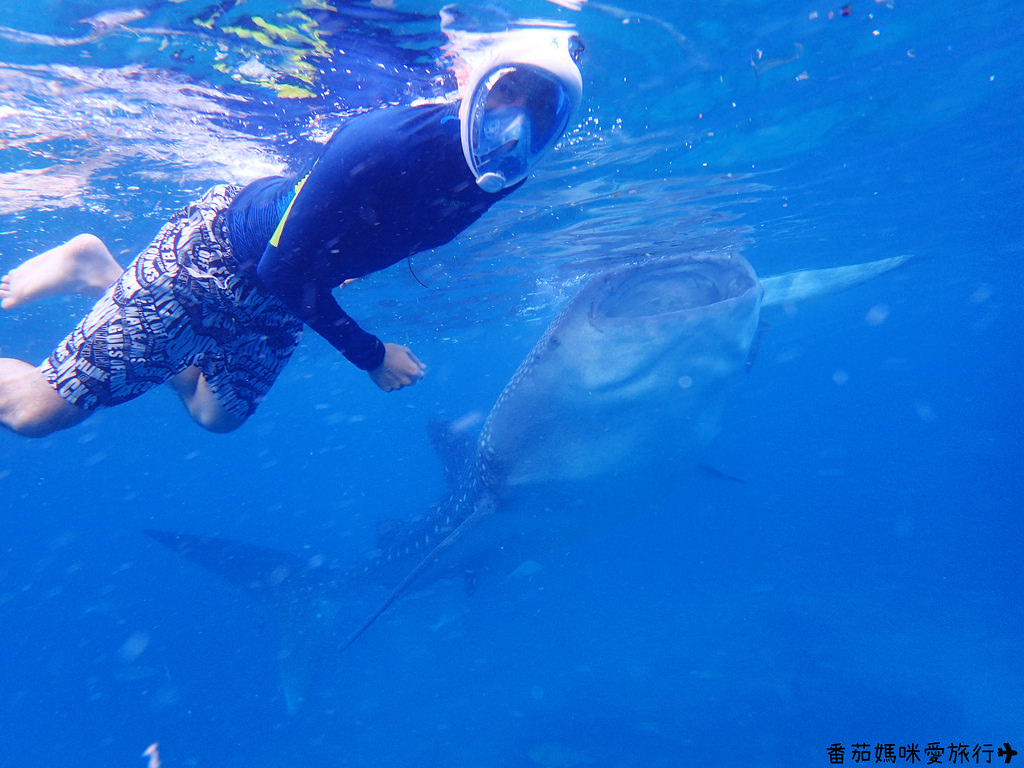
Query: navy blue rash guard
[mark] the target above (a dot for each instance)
(389, 184)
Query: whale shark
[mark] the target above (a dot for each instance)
(616, 402)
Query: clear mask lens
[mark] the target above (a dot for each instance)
(518, 113)
(505, 140)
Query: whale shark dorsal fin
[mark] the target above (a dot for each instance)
(808, 283)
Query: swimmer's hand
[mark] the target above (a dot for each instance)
(401, 368)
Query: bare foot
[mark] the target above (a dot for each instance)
(82, 265)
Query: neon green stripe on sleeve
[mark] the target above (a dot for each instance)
(276, 237)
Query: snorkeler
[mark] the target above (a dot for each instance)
(216, 304)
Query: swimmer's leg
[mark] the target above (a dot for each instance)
(201, 403)
(81, 265)
(29, 406)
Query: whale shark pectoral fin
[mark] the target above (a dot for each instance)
(808, 283)
(455, 444)
(432, 557)
(755, 344)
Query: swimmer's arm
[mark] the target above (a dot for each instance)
(311, 300)
(390, 366)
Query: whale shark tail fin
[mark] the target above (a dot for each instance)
(301, 595)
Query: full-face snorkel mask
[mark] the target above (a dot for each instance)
(518, 103)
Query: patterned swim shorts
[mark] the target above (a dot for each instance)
(182, 302)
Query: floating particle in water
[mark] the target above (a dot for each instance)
(877, 315)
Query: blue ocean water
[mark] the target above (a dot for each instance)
(861, 586)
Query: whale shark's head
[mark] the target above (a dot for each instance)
(631, 378)
(688, 318)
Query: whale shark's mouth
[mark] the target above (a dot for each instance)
(678, 285)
